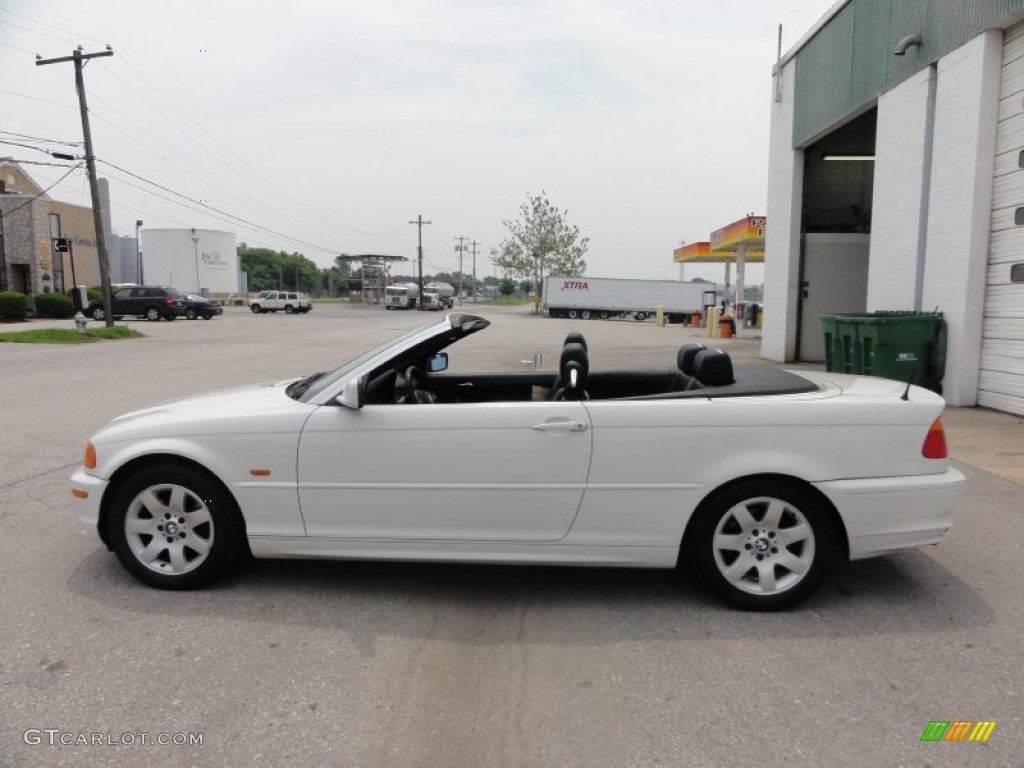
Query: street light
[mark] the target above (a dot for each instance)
(195, 244)
(138, 253)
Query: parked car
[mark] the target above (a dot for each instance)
(200, 306)
(274, 301)
(149, 301)
(759, 478)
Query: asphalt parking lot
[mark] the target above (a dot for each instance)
(374, 664)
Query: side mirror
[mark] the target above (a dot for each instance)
(352, 393)
(438, 362)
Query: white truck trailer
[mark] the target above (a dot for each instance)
(401, 296)
(604, 297)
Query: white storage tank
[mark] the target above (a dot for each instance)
(191, 260)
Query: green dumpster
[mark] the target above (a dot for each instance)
(907, 346)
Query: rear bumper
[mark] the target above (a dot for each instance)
(887, 514)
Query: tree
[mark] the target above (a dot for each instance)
(526, 286)
(268, 270)
(541, 231)
(507, 287)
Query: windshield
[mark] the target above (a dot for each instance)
(395, 291)
(339, 373)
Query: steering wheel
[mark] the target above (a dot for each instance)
(416, 387)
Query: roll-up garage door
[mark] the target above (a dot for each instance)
(1001, 381)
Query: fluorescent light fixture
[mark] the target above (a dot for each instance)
(850, 158)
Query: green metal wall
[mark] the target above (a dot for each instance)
(849, 62)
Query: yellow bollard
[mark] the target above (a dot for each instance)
(659, 313)
(713, 322)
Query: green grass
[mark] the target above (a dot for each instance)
(329, 300)
(68, 336)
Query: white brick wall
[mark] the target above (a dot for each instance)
(960, 203)
(896, 197)
(782, 239)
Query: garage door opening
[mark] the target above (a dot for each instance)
(839, 172)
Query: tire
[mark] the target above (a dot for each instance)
(605, 314)
(207, 317)
(98, 313)
(289, 309)
(640, 316)
(744, 525)
(190, 314)
(170, 318)
(572, 314)
(207, 538)
(256, 309)
(585, 314)
(153, 314)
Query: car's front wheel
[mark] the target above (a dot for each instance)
(763, 545)
(173, 527)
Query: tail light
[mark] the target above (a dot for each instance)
(935, 442)
(168, 301)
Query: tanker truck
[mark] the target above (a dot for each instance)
(401, 296)
(438, 296)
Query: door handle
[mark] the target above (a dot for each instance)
(561, 426)
(464, 384)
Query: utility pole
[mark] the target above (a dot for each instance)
(475, 244)
(419, 222)
(90, 163)
(461, 249)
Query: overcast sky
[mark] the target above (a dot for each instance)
(335, 123)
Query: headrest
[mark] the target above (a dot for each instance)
(685, 356)
(573, 356)
(713, 368)
(575, 337)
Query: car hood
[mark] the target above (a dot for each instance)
(252, 409)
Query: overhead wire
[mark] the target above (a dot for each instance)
(33, 199)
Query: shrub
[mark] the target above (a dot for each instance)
(55, 305)
(94, 292)
(13, 305)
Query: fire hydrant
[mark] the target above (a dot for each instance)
(80, 322)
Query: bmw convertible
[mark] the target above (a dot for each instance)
(757, 479)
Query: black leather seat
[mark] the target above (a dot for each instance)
(711, 368)
(573, 367)
(684, 361)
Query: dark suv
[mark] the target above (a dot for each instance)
(149, 301)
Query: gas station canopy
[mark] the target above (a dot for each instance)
(746, 235)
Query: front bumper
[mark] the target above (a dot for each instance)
(887, 514)
(88, 508)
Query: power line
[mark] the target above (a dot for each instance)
(28, 137)
(36, 98)
(33, 199)
(36, 162)
(15, 47)
(35, 32)
(206, 207)
(51, 26)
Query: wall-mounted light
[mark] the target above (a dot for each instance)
(907, 42)
(849, 158)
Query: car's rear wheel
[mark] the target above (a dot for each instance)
(153, 314)
(98, 313)
(763, 545)
(255, 309)
(289, 309)
(173, 527)
(190, 314)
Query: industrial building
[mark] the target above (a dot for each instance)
(896, 182)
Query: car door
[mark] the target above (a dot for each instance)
(121, 302)
(459, 471)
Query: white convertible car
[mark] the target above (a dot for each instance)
(757, 477)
